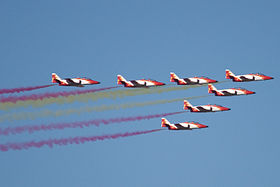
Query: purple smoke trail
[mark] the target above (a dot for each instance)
(81, 124)
(13, 90)
(14, 99)
(71, 140)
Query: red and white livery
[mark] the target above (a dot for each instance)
(204, 108)
(78, 82)
(190, 81)
(228, 92)
(181, 126)
(138, 83)
(247, 77)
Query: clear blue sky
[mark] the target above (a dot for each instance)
(146, 39)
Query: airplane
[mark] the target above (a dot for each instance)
(228, 92)
(181, 126)
(247, 77)
(78, 82)
(138, 83)
(203, 108)
(190, 81)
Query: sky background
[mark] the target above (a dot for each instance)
(145, 39)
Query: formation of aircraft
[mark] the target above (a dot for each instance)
(78, 82)
(190, 81)
(211, 89)
(204, 108)
(247, 77)
(181, 126)
(138, 83)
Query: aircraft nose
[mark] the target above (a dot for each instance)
(95, 82)
(202, 126)
(250, 92)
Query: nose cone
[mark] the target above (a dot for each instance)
(161, 83)
(213, 81)
(268, 78)
(225, 108)
(249, 92)
(202, 126)
(94, 82)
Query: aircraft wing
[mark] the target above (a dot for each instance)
(226, 93)
(243, 78)
(136, 84)
(181, 127)
(71, 82)
(202, 109)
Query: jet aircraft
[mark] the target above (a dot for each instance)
(138, 83)
(181, 126)
(190, 81)
(247, 77)
(78, 82)
(203, 108)
(228, 92)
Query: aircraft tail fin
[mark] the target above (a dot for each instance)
(173, 77)
(55, 78)
(211, 88)
(187, 105)
(121, 80)
(229, 74)
(164, 122)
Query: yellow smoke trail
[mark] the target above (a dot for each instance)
(94, 96)
(86, 109)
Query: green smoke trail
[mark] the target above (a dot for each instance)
(93, 96)
(86, 109)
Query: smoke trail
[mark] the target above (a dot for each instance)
(23, 89)
(58, 113)
(72, 140)
(81, 124)
(93, 96)
(34, 97)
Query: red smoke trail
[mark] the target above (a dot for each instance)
(66, 141)
(14, 99)
(81, 124)
(13, 90)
